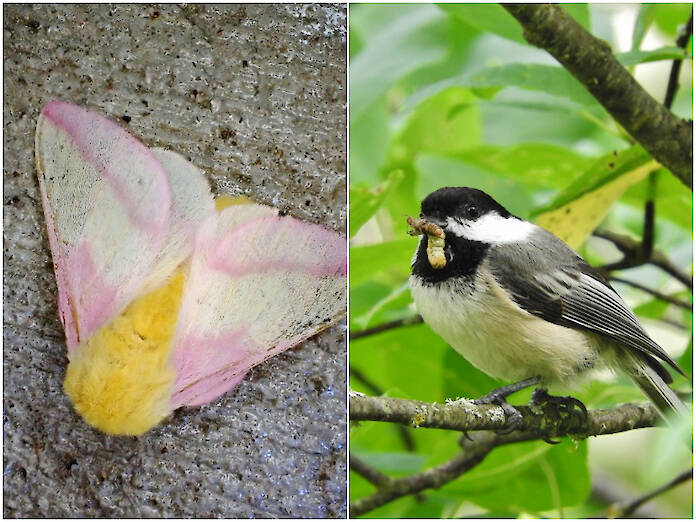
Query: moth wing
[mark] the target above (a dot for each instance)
(107, 203)
(192, 203)
(120, 216)
(258, 284)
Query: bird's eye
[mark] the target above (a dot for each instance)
(472, 212)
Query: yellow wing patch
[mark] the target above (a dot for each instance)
(120, 379)
(222, 202)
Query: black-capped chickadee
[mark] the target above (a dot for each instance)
(521, 305)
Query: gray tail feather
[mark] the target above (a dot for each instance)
(655, 387)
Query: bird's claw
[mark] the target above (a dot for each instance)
(566, 404)
(549, 440)
(513, 417)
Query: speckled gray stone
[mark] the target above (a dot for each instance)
(256, 96)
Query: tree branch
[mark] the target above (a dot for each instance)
(608, 490)
(408, 321)
(474, 450)
(373, 476)
(463, 415)
(665, 136)
(633, 256)
(430, 478)
(659, 295)
(466, 416)
(626, 509)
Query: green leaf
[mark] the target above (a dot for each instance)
(406, 362)
(431, 78)
(393, 462)
(388, 261)
(550, 79)
(535, 164)
(663, 53)
(668, 17)
(399, 298)
(652, 309)
(673, 200)
(686, 359)
(365, 202)
(363, 297)
(640, 28)
(356, 42)
(462, 380)
(490, 18)
(447, 122)
(438, 171)
(528, 477)
(408, 39)
(369, 144)
(444, 123)
(577, 210)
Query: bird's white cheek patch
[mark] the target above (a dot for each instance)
(491, 228)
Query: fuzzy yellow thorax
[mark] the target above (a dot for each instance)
(120, 379)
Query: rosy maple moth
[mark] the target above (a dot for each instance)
(167, 297)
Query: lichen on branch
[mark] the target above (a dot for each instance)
(539, 422)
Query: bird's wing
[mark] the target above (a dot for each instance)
(557, 285)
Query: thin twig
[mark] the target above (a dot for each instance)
(632, 251)
(648, 241)
(608, 489)
(365, 381)
(626, 509)
(369, 473)
(663, 297)
(430, 478)
(408, 321)
(673, 82)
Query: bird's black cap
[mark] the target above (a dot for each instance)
(454, 201)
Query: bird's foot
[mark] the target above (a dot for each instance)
(499, 398)
(563, 405)
(513, 417)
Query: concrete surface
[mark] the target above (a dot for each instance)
(256, 96)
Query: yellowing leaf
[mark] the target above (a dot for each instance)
(575, 212)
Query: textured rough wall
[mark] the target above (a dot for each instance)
(255, 95)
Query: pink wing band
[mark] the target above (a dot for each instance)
(218, 377)
(209, 367)
(229, 256)
(84, 128)
(86, 299)
(60, 267)
(97, 297)
(199, 363)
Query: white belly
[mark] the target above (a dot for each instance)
(478, 320)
